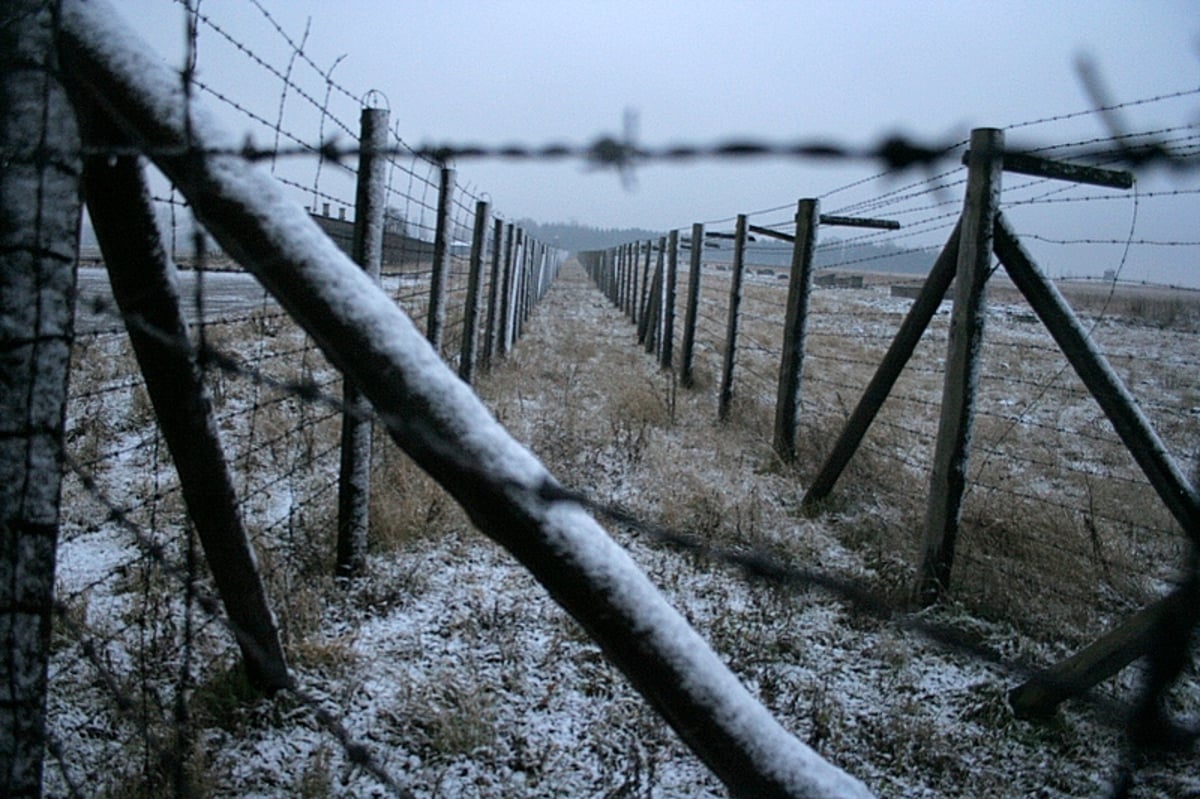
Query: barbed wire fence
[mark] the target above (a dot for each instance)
(265, 373)
(1061, 534)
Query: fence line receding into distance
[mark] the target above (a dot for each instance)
(764, 333)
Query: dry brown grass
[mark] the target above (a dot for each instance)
(406, 504)
(1054, 548)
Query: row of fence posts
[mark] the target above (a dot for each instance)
(520, 273)
(623, 273)
(648, 297)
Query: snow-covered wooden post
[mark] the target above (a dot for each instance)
(687, 358)
(466, 363)
(947, 483)
(354, 477)
(737, 272)
(435, 324)
(39, 230)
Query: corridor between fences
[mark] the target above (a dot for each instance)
(804, 464)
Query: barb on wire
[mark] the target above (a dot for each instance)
(1108, 112)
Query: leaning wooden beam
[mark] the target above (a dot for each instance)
(143, 284)
(1040, 695)
(1025, 164)
(885, 377)
(1135, 430)
(443, 426)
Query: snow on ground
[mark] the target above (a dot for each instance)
(463, 680)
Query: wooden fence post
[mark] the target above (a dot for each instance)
(668, 341)
(466, 362)
(543, 271)
(636, 299)
(948, 479)
(619, 276)
(616, 294)
(687, 377)
(628, 278)
(512, 244)
(738, 268)
(612, 263)
(518, 287)
(39, 206)
(489, 334)
(655, 300)
(631, 277)
(641, 295)
(436, 322)
(791, 365)
(605, 273)
(642, 299)
(645, 275)
(523, 291)
(640, 268)
(354, 476)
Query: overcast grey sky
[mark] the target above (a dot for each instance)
(700, 72)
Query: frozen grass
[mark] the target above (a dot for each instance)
(463, 679)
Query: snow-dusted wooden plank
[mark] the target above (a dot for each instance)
(443, 426)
